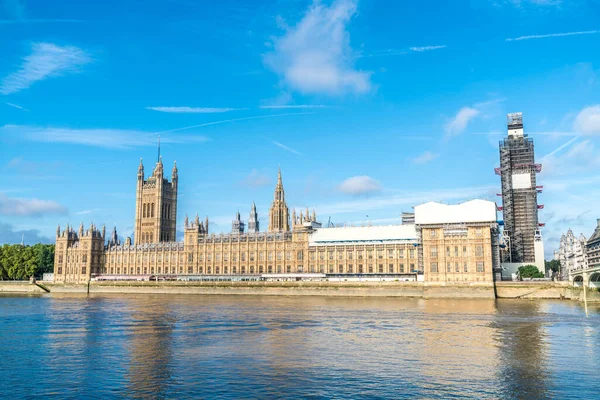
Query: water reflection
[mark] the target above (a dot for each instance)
(522, 344)
(276, 347)
(150, 332)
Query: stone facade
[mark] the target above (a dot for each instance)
(593, 248)
(437, 250)
(156, 206)
(279, 214)
(458, 253)
(572, 254)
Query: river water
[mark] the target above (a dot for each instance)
(159, 346)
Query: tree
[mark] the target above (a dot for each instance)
(20, 262)
(530, 271)
(553, 266)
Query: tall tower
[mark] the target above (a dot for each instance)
(279, 218)
(253, 226)
(237, 226)
(156, 205)
(519, 193)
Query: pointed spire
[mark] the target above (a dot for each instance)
(158, 158)
(279, 183)
(58, 230)
(314, 215)
(186, 223)
(197, 221)
(206, 224)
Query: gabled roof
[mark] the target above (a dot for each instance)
(596, 235)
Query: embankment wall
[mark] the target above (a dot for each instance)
(503, 290)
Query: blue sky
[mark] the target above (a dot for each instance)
(369, 106)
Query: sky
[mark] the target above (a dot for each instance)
(370, 107)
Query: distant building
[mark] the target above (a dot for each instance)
(408, 218)
(156, 206)
(253, 226)
(571, 254)
(279, 215)
(458, 243)
(522, 238)
(444, 243)
(593, 248)
(237, 226)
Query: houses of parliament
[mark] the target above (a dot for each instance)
(437, 243)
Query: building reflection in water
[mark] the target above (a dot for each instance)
(150, 326)
(456, 353)
(521, 341)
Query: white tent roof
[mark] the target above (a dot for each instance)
(470, 211)
(368, 234)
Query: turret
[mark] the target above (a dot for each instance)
(158, 170)
(141, 171)
(174, 176)
(58, 231)
(253, 226)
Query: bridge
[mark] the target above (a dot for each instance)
(589, 277)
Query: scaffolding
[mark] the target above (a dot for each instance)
(519, 191)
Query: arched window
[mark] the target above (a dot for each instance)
(152, 211)
(143, 210)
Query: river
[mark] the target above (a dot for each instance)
(161, 346)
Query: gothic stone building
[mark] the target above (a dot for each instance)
(446, 243)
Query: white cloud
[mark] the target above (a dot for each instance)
(256, 178)
(283, 146)
(107, 138)
(197, 110)
(86, 212)
(45, 61)
(15, 206)
(550, 35)
(587, 121)
(16, 106)
(460, 121)
(427, 48)
(360, 185)
(425, 158)
(315, 56)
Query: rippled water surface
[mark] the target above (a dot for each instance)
(277, 347)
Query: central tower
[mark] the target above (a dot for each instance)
(156, 206)
(519, 193)
(279, 215)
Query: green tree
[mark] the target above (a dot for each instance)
(530, 271)
(20, 262)
(553, 265)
